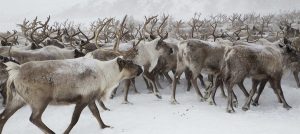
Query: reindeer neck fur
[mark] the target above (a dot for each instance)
(112, 77)
(147, 54)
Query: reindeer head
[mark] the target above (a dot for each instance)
(128, 68)
(77, 53)
(9, 39)
(163, 47)
(286, 45)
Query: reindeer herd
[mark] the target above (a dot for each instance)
(61, 64)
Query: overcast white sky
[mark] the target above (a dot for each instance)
(14, 11)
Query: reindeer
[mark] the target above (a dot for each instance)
(257, 62)
(290, 62)
(197, 55)
(7, 41)
(105, 55)
(91, 79)
(46, 53)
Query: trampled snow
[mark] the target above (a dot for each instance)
(149, 115)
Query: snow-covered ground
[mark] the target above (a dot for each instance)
(149, 115)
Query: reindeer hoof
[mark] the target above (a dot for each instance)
(206, 96)
(158, 96)
(127, 102)
(105, 126)
(211, 102)
(174, 102)
(235, 104)
(255, 104)
(287, 107)
(106, 109)
(245, 108)
(230, 111)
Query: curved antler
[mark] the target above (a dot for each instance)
(160, 28)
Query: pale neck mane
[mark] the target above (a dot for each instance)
(109, 70)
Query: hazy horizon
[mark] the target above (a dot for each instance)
(84, 11)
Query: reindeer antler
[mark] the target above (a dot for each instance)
(120, 34)
(5, 40)
(43, 35)
(100, 28)
(83, 43)
(147, 21)
(160, 28)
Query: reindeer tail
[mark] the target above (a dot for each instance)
(13, 71)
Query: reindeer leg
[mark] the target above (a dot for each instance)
(157, 82)
(200, 77)
(211, 99)
(235, 100)
(280, 93)
(36, 117)
(113, 94)
(151, 78)
(188, 76)
(102, 105)
(133, 85)
(242, 87)
(127, 85)
(93, 108)
(174, 84)
(168, 77)
(252, 92)
(260, 90)
(222, 89)
(11, 107)
(208, 89)
(295, 73)
(229, 99)
(274, 87)
(76, 114)
(146, 82)
(194, 83)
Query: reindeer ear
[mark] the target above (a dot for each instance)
(121, 63)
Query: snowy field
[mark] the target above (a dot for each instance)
(149, 115)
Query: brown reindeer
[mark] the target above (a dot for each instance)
(257, 62)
